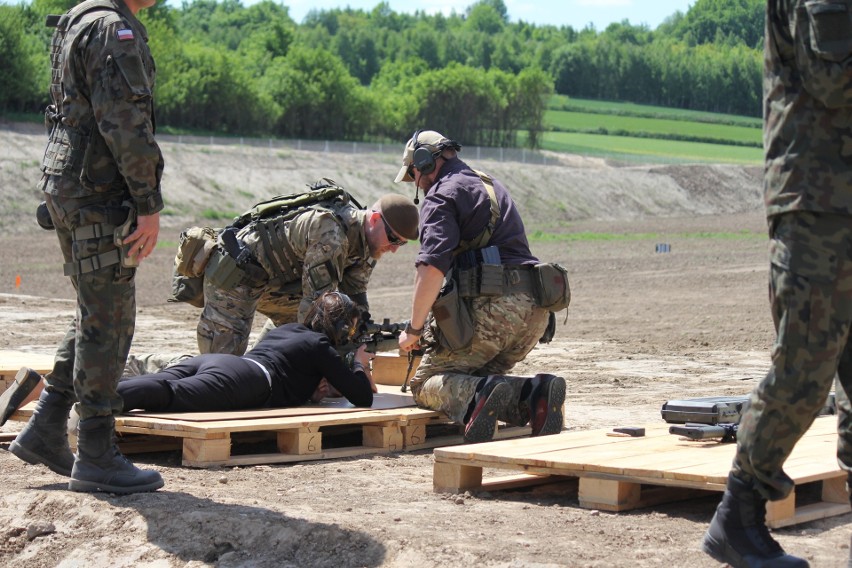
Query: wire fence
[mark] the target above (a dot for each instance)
(522, 155)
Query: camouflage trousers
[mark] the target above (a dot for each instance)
(228, 315)
(150, 363)
(506, 330)
(91, 357)
(810, 291)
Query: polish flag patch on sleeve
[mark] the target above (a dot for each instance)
(124, 35)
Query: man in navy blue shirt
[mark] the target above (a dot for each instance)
(473, 247)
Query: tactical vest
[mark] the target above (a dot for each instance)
(74, 141)
(269, 220)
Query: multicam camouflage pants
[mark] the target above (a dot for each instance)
(226, 321)
(150, 363)
(91, 356)
(810, 290)
(506, 330)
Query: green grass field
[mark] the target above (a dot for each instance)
(562, 102)
(581, 121)
(626, 148)
(630, 132)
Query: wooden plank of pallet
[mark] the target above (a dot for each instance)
(390, 368)
(522, 480)
(11, 362)
(619, 474)
(295, 444)
(137, 444)
(835, 501)
(381, 401)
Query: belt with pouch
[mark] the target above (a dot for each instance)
(517, 279)
(495, 280)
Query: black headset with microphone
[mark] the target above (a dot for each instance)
(424, 160)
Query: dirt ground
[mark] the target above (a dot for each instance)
(643, 328)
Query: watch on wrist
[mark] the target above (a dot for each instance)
(412, 330)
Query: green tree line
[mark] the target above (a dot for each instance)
(228, 68)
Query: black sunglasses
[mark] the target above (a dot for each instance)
(411, 171)
(392, 239)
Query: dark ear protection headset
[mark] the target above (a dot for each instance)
(341, 332)
(423, 159)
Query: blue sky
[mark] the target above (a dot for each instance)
(575, 13)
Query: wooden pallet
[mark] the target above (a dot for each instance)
(332, 429)
(620, 474)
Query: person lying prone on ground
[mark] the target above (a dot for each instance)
(284, 369)
(151, 363)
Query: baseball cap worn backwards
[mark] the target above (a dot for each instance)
(429, 139)
(401, 215)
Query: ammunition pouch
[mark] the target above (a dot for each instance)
(453, 318)
(65, 151)
(550, 287)
(492, 280)
(187, 289)
(195, 248)
(223, 272)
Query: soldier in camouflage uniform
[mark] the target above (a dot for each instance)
(329, 246)
(808, 194)
(466, 214)
(102, 171)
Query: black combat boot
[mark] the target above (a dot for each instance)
(44, 440)
(491, 399)
(517, 411)
(99, 466)
(546, 400)
(11, 399)
(738, 534)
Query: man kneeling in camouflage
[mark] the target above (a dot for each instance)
(290, 257)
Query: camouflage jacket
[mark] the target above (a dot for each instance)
(101, 120)
(807, 86)
(330, 249)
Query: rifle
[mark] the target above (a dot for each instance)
(385, 337)
(726, 431)
(379, 336)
